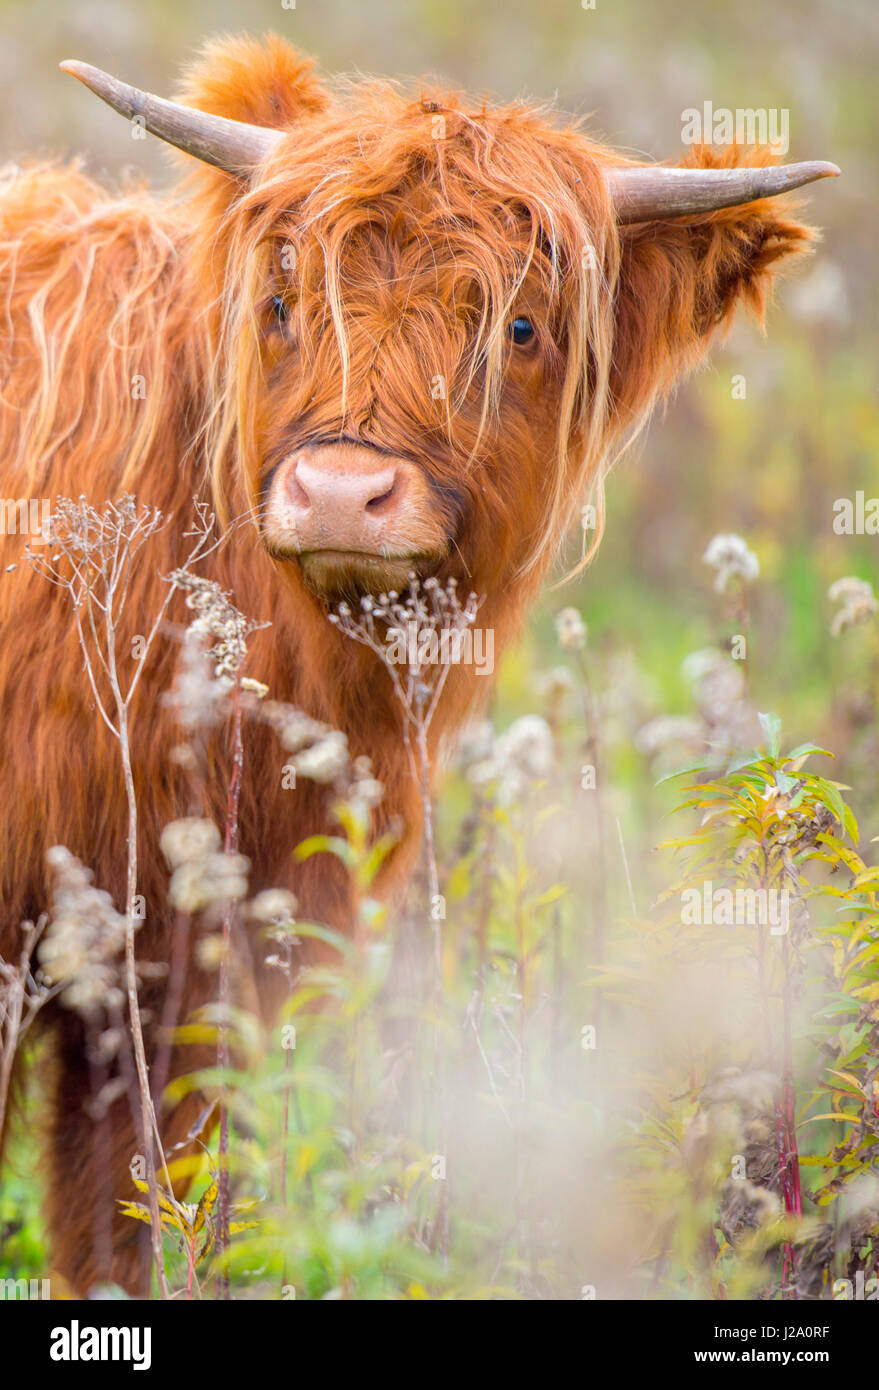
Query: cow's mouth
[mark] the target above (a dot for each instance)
(334, 575)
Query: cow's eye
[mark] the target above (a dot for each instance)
(279, 308)
(521, 331)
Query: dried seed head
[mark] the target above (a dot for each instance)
(858, 603)
(211, 878)
(188, 839)
(730, 557)
(83, 940)
(273, 905)
(571, 629)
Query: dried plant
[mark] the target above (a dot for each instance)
(90, 554)
(211, 875)
(857, 602)
(22, 994)
(418, 636)
(409, 633)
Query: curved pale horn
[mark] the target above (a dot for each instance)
(648, 194)
(231, 145)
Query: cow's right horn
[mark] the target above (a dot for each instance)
(231, 145)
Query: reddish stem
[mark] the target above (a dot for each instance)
(230, 846)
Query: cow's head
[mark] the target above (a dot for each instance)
(436, 323)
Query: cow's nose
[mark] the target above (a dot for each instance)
(343, 507)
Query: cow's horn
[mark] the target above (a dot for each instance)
(231, 145)
(639, 194)
(648, 194)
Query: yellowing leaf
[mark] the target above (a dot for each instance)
(205, 1206)
(135, 1210)
(833, 1115)
(305, 1159)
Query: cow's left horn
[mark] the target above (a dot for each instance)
(231, 145)
(649, 193)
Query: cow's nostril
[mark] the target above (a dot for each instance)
(384, 501)
(377, 505)
(297, 493)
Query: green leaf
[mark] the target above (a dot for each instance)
(551, 895)
(771, 726)
(830, 796)
(785, 783)
(328, 844)
(851, 825)
(833, 1115)
(803, 750)
(748, 758)
(700, 766)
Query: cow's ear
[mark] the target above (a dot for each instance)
(263, 81)
(680, 282)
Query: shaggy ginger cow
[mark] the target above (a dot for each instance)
(331, 256)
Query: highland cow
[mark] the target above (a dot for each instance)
(378, 333)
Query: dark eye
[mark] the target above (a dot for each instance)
(279, 308)
(521, 331)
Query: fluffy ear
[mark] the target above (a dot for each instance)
(264, 81)
(680, 282)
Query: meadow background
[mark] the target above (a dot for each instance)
(767, 468)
